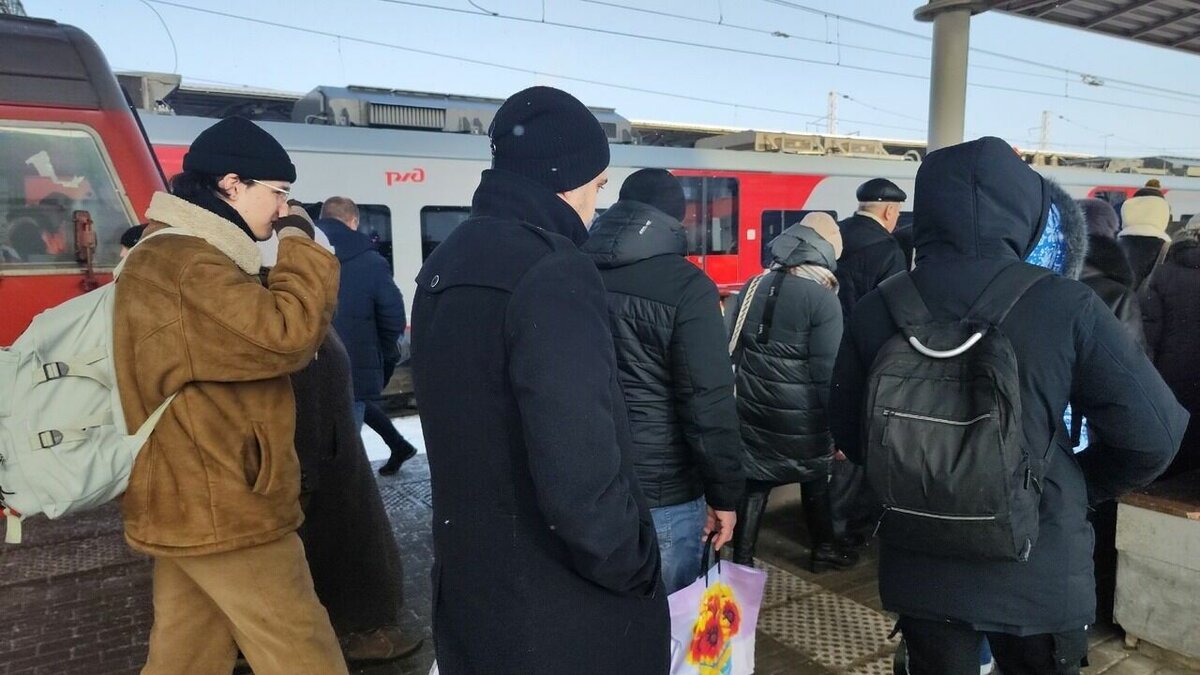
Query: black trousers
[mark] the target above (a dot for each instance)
(944, 648)
(380, 423)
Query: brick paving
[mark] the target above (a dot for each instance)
(77, 600)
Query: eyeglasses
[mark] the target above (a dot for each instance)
(278, 190)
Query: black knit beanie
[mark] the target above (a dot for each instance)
(658, 188)
(548, 136)
(237, 145)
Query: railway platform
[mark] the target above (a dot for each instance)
(76, 599)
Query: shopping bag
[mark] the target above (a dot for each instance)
(713, 620)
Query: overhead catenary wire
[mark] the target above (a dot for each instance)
(978, 50)
(517, 69)
(645, 90)
(784, 57)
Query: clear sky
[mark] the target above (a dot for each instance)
(738, 63)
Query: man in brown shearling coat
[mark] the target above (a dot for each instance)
(213, 496)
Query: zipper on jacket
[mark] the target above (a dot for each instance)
(938, 516)
(925, 418)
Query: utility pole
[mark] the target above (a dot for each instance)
(831, 113)
(1044, 139)
(12, 7)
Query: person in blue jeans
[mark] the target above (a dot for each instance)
(674, 370)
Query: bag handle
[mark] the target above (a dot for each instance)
(708, 547)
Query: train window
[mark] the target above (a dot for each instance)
(710, 220)
(437, 222)
(775, 222)
(45, 176)
(374, 220)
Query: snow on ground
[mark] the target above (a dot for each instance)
(410, 426)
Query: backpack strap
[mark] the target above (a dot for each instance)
(904, 301)
(764, 329)
(1004, 290)
(1162, 256)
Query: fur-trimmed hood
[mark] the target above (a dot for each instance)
(1074, 228)
(167, 210)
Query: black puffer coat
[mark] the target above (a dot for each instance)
(783, 383)
(671, 358)
(869, 255)
(545, 554)
(979, 209)
(1107, 272)
(1172, 320)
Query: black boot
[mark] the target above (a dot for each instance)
(827, 556)
(399, 456)
(749, 520)
(826, 553)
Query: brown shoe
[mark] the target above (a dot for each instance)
(379, 645)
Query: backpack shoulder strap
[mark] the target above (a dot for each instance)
(1162, 256)
(904, 301)
(1004, 290)
(764, 329)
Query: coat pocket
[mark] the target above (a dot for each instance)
(262, 482)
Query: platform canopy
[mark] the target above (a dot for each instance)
(1174, 24)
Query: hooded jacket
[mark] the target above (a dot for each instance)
(978, 210)
(783, 378)
(545, 554)
(869, 255)
(671, 358)
(370, 315)
(1108, 274)
(191, 316)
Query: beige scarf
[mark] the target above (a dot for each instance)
(816, 273)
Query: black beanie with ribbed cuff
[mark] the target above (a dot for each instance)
(237, 145)
(548, 136)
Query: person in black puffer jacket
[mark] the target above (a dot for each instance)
(784, 354)
(1172, 321)
(673, 368)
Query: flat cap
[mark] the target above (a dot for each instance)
(880, 190)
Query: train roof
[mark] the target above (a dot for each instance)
(334, 140)
(44, 62)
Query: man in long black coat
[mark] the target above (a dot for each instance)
(870, 255)
(980, 209)
(545, 556)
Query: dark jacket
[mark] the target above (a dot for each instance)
(783, 383)
(546, 559)
(370, 312)
(672, 358)
(978, 210)
(869, 255)
(1142, 252)
(1107, 272)
(1172, 319)
(348, 540)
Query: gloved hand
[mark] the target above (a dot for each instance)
(294, 222)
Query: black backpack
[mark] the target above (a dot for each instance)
(945, 451)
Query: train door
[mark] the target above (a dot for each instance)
(711, 225)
